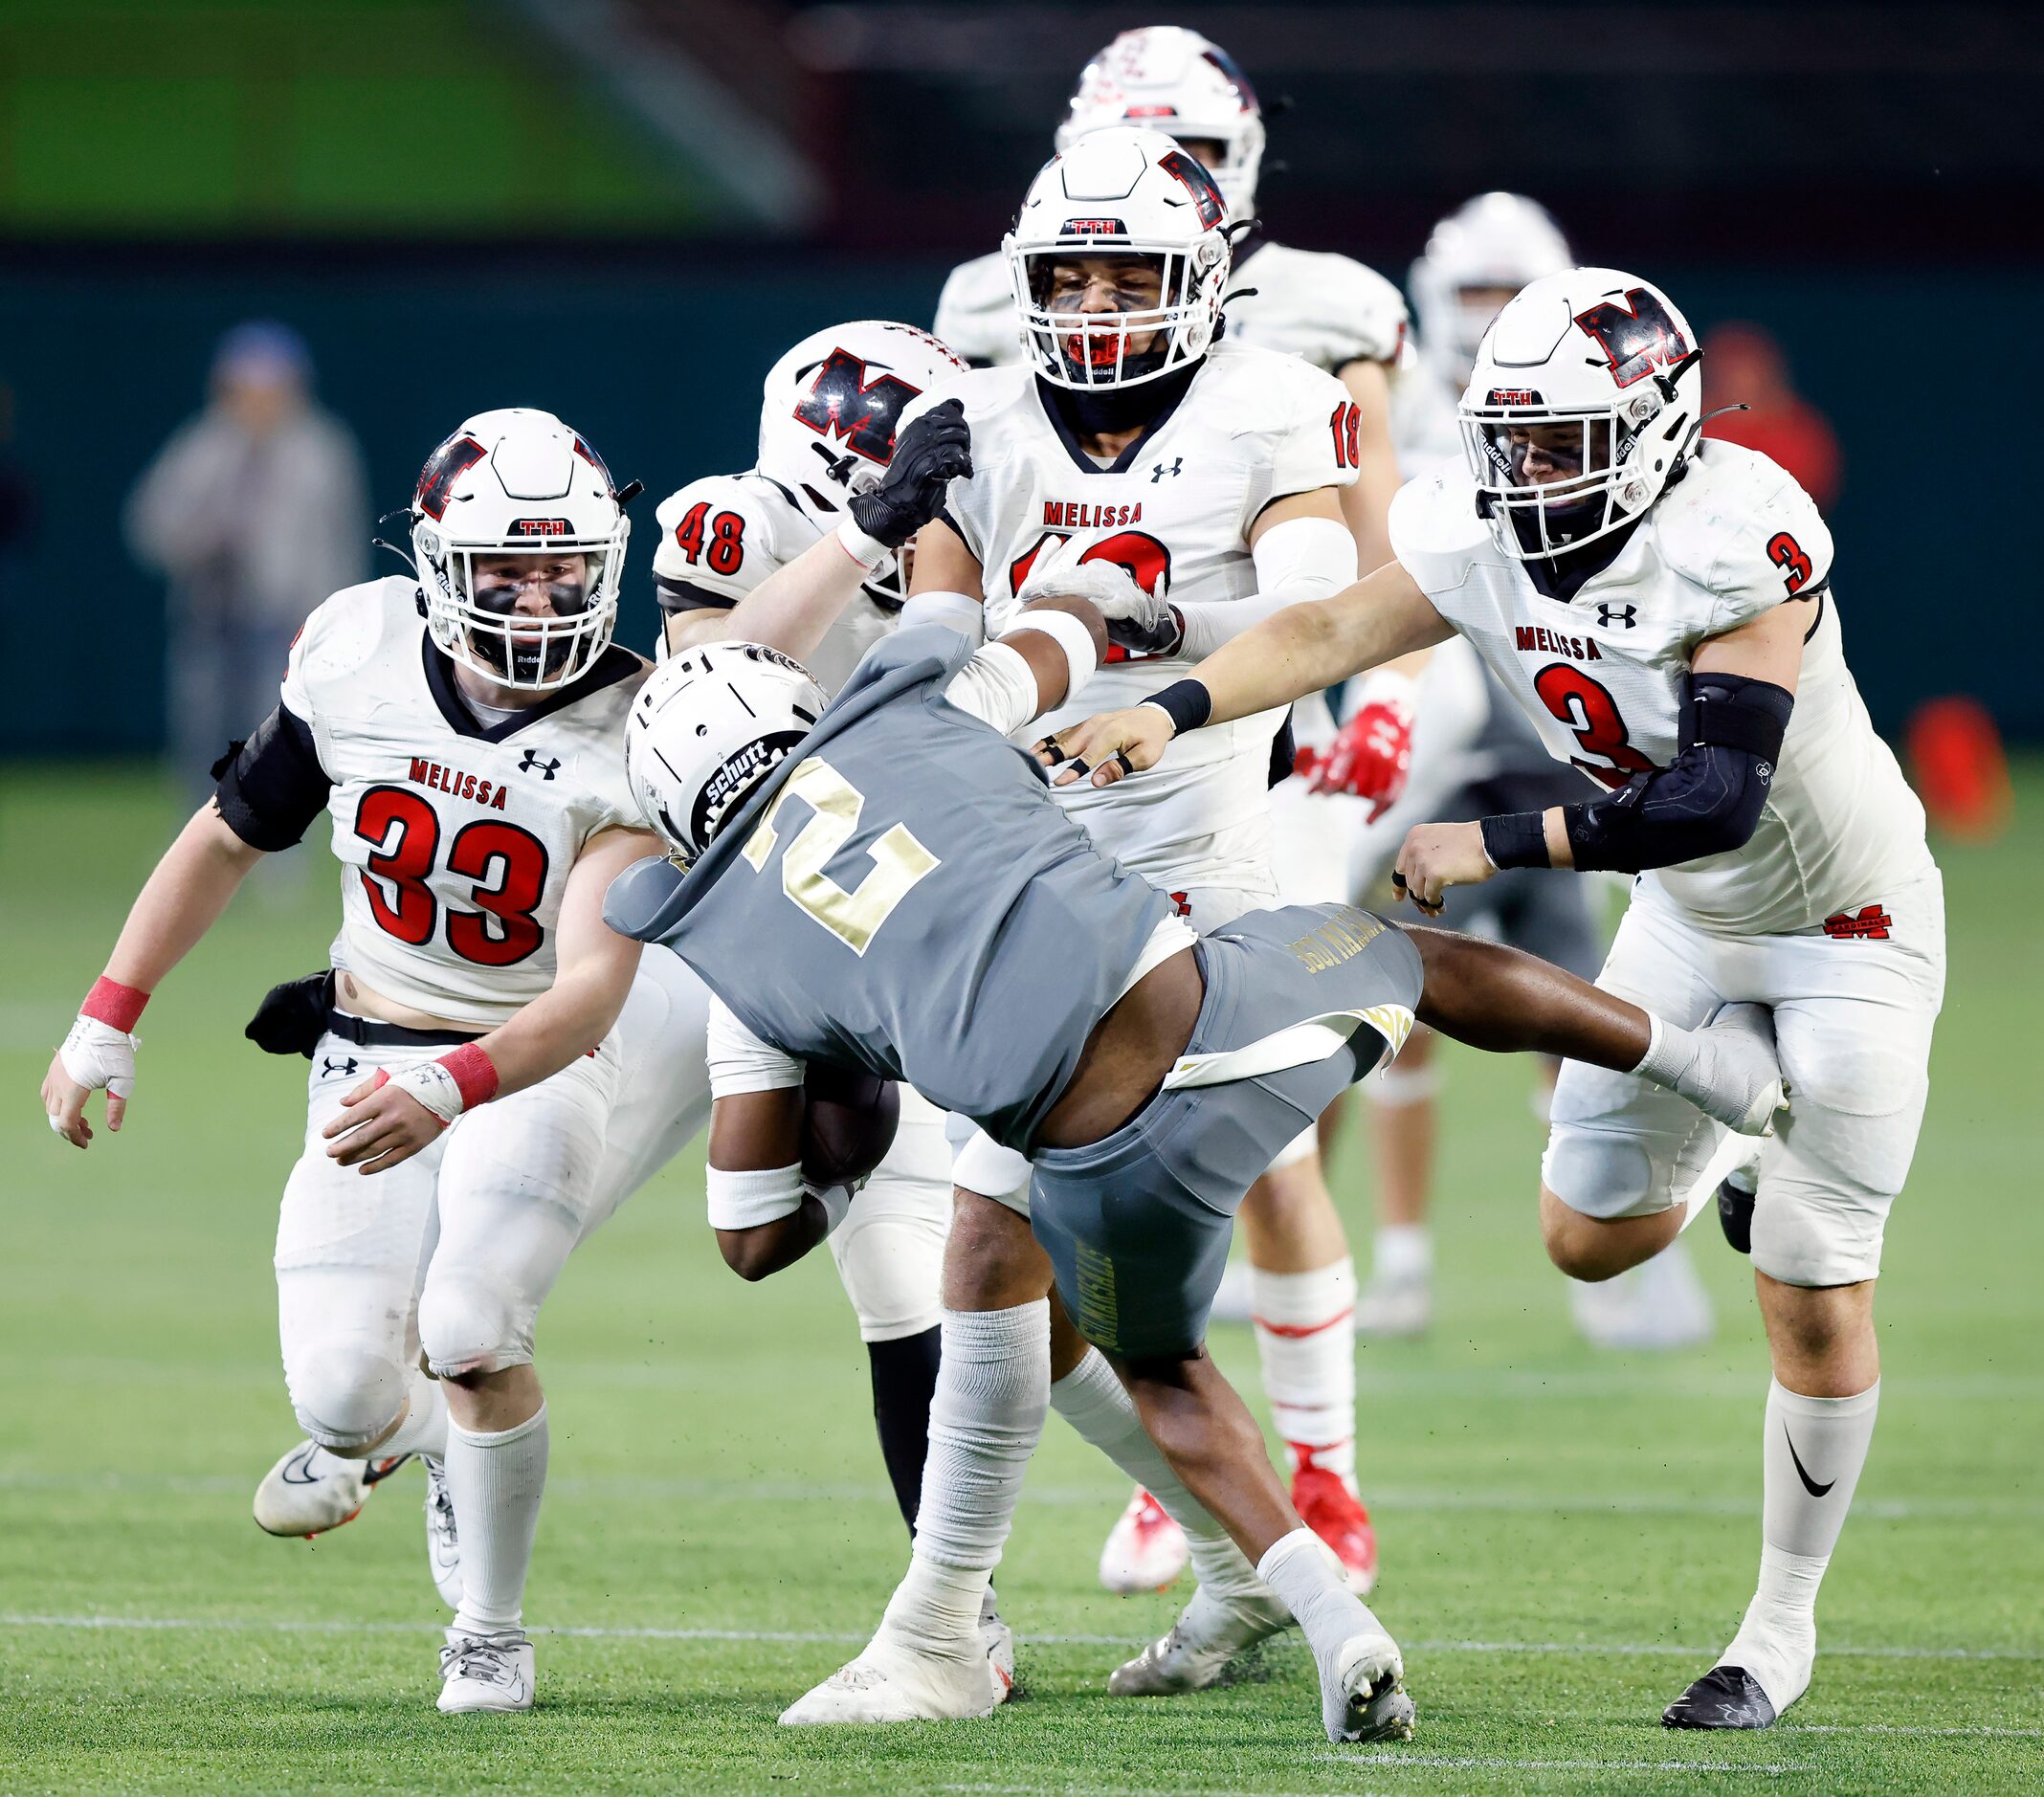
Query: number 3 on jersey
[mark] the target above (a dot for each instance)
(1589, 710)
(507, 864)
(899, 859)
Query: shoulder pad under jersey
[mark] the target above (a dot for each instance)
(1739, 525)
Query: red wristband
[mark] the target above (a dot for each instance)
(475, 1074)
(119, 1006)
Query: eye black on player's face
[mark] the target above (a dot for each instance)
(1105, 283)
(534, 584)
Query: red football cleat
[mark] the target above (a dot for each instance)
(1334, 1513)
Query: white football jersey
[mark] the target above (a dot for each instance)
(976, 313)
(1250, 428)
(726, 533)
(454, 838)
(1602, 676)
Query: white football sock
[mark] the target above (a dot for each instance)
(994, 1381)
(1306, 1339)
(424, 1429)
(1097, 1406)
(496, 1482)
(1402, 1252)
(1811, 1457)
(1298, 1568)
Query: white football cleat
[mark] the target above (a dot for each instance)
(998, 1642)
(310, 1491)
(1144, 1550)
(1366, 1699)
(1391, 1308)
(894, 1682)
(1657, 1307)
(1212, 1632)
(485, 1672)
(443, 1547)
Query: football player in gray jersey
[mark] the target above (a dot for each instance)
(883, 883)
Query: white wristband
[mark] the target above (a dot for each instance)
(836, 1201)
(743, 1201)
(869, 552)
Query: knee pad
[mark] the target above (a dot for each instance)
(469, 1326)
(347, 1395)
(889, 1252)
(1824, 1197)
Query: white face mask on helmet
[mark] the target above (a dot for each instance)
(1586, 397)
(827, 419)
(1497, 243)
(1121, 194)
(518, 483)
(712, 722)
(1178, 82)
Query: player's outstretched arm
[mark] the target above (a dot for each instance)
(1297, 651)
(389, 1120)
(793, 609)
(192, 885)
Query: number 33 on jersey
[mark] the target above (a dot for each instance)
(456, 838)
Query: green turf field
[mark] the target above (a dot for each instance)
(1567, 1538)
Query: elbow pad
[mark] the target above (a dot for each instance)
(1708, 800)
(273, 787)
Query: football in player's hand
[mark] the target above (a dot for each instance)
(848, 1124)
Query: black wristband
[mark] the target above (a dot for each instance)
(1187, 703)
(1517, 840)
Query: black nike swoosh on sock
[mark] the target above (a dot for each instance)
(1810, 1484)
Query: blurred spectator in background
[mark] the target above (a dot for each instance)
(255, 509)
(1742, 364)
(17, 497)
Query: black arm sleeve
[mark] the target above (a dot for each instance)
(1708, 800)
(684, 595)
(274, 787)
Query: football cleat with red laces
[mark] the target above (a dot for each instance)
(1146, 1550)
(1334, 1513)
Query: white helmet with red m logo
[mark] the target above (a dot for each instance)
(1176, 81)
(1586, 397)
(1129, 198)
(831, 409)
(515, 502)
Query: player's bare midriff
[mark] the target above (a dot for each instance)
(362, 1001)
(1126, 1058)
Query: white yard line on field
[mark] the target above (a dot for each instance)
(600, 1633)
(1394, 1498)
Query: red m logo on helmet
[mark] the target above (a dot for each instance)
(842, 402)
(1635, 334)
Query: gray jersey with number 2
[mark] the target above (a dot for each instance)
(903, 894)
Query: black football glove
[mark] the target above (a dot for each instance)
(930, 453)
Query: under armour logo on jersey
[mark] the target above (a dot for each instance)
(329, 1067)
(531, 764)
(1159, 472)
(1628, 615)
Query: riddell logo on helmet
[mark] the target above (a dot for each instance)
(1094, 228)
(541, 528)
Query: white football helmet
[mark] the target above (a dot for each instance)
(709, 725)
(518, 482)
(1586, 397)
(1176, 81)
(1495, 241)
(827, 419)
(1126, 192)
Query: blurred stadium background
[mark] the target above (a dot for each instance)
(623, 210)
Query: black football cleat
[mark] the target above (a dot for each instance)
(1726, 1696)
(1735, 1216)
